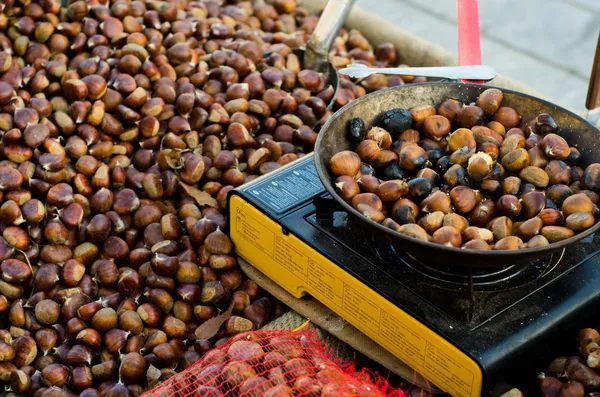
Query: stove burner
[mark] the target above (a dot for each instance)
(457, 278)
(493, 279)
(470, 296)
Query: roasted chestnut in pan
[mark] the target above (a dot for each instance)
(412, 158)
(462, 138)
(450, 108)
(356, 129)
(418, 189)
(468, 176)
(456, 176)
(345, 163)
(490, 101)
(396, 121)
(347, 187)
(391, 171)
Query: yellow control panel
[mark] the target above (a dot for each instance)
(300, 269)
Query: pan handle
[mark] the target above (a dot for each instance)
(330, 22)
(469, 45)
(593, 96)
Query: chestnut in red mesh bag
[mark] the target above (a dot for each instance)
(269, 364)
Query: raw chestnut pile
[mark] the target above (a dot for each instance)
(271, 364)
(464, 175)
(575, 376)
(124, 125)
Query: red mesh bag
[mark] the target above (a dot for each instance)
(271, 364)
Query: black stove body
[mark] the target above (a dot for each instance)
(501, 326)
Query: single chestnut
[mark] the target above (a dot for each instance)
(448, 236)
(479, 166)
(509, 243)
(432, 221)
(479, 245)
(483, 213)
(457, 221)
(576, 203)
(396, 121)
(436, 127)
(509, 205)
(536, 176)
(529, 228)
(551, 217)
(501, 227)
(450, 109)
(417, 189)
(580, 221)
(477, 233)
(559, 172)
(516, 160)
(415, 231)
(507, 116)
(347, 187)
(460, 138)
(437, 201)
(555, 147)
(356, 129)
(456, 176)
(381, 137)
(558, 194)
(533, 202)
(393, 190)
(367, 151)
(412, 158)
(470, 116)
(556, 233)
(490, 100)
(367, 198)
(538, 241)
(419, 114)
(591, 177)
(511, 185)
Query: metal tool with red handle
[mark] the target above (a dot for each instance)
(592, 102)
(469, 43)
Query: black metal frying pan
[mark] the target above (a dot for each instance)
(333, 139)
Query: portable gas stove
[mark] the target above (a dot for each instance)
(469, 331)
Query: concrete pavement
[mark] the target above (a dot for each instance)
(546, 44)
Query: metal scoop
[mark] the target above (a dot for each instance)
(474, 72)
(316, 54)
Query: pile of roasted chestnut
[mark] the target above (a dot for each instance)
(574, 376)
(123, 126)
(463, 175)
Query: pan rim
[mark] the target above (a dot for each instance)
(553, 247)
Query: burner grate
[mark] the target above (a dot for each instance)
(493, 279)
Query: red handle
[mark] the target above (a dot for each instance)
(469, 45)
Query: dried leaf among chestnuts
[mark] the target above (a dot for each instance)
(202, 198)
(210, 327)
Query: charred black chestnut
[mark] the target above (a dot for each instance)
(404, 214)
(396, 121)
(418, 189)
(356, 130)
(392, 171)
(434, 155)
(443, 164)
